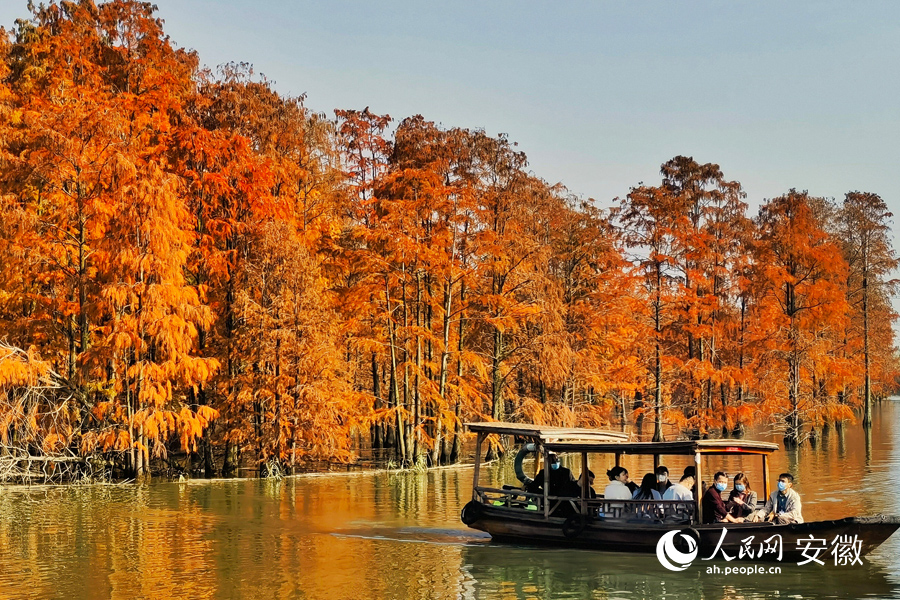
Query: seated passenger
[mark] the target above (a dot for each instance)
(662, 479)
(682, 489)
(590, 491)
(714, 510)
(741, 500)
(648, 490)
(561, 479)
(617, 488)
(783, 506)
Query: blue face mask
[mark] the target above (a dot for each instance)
(782, 486)
(739, 487)
(721, 486)
(554, 466)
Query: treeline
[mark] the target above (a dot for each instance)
(191, 262)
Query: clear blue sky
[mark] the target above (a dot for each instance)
(598, 94)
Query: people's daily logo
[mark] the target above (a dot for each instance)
(672, 558)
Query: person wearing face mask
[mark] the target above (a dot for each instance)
(783, 506)
(662, 479)
(714, 510)
(562, 483)
(741, 500)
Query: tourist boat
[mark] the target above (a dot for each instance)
(514, 515)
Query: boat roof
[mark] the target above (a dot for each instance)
(686, 447)
(548, 433)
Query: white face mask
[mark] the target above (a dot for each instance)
(662, 478)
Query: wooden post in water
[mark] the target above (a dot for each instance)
(699, 477)
(479, 439)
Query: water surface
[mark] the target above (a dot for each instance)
(398, 535)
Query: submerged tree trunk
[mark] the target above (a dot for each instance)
(794, 422)
(867, 385)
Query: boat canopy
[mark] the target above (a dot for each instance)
(587, 441)
(546, 433)
(687, 448)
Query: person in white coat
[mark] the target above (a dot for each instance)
(617, 489)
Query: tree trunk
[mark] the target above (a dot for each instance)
(867, 386)
(394, 397)
(657, 367)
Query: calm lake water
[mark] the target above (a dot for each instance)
(399, 536)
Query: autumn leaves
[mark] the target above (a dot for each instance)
(193, 263)
(759, 318)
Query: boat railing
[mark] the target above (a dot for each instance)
(519, 499)
(659, 511)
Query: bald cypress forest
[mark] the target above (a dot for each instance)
(200, 274)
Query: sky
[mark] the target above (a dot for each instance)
(598, 94)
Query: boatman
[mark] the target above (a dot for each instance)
(783, 505)
(562, 483)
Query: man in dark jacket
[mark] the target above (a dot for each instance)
(662, 479)
(714, 510)
(562, 483)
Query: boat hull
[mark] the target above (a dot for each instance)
(638, 536)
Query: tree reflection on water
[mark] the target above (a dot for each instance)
(398, 535)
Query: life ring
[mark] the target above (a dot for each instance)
(573, 526)
(471, 512)
(682, 545)
(517, 464)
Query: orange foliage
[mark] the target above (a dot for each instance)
(206, 273)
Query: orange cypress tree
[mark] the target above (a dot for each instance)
(799, 274)
(865, 234)
(89, 149)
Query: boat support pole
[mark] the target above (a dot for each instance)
(478, 442)
(765, 478)
(546, 484)
(697, 481)
(585, 483)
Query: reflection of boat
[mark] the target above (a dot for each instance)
(513, 571)
(512, 514)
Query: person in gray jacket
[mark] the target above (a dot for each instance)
(783, 505)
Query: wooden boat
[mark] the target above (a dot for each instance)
(515, 515)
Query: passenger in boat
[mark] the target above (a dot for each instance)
(682, 490)
(618, 485)
(561, 479)
(648, 490)
(662, 480)
(590, 492)
(783, 506)
(714, 509)
(741, 500)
